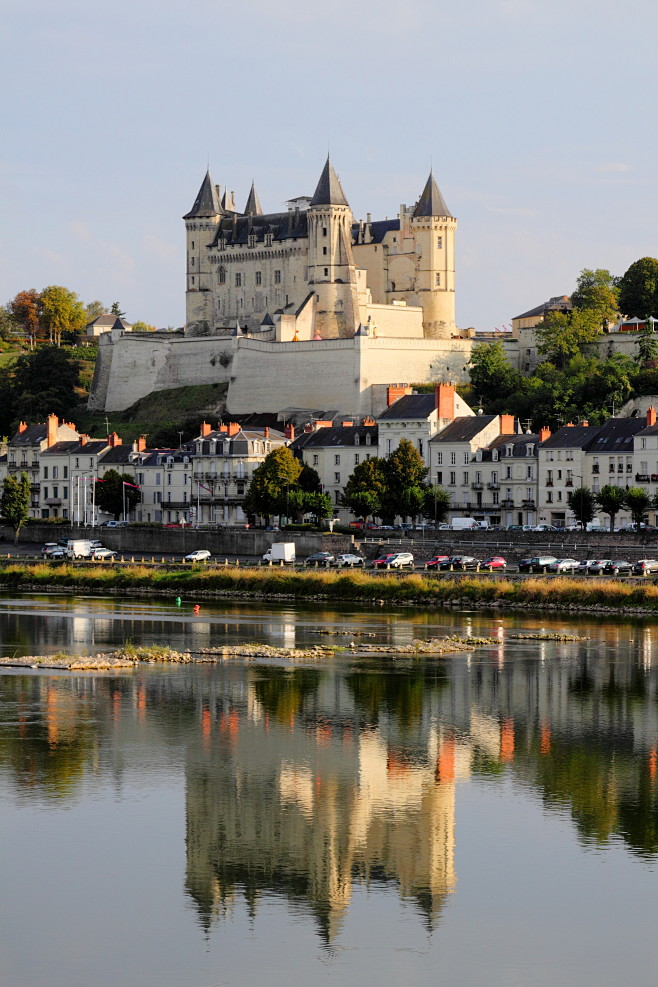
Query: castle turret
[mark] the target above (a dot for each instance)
(434, 230)
(331, 267)
(253, 207)
(200, 227)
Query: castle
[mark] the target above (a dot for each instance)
(304, 309)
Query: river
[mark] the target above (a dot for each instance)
(488, 817)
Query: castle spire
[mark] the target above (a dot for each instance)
(206, 202)
(329, 191)
(431, 202)
(253, 207)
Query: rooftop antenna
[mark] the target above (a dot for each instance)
(526, 426)
(107, 425)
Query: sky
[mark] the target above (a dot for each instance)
(538, 118)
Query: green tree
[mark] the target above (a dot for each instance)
(309, 479)
(647, 347)
(436, 504)
(15, 501)
(638, 503)
(62, 311)
(43, 382)
(563, 335)
(8, 324)
(365, 489)
(278, 472)
(318, 504)
(404, 473)
(143, 327)
(116, 310)
(114, 490)
(582, 504)
(611, 500)
(638, 289)
(492, 375)
(93, 310)
(596, 291)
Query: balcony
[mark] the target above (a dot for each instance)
(493, 486)
(35, 488)
(53, 501)
(549, 483)
(654, 477)
(508, 502)
(642, 478)
(529, 505)
(477, 486)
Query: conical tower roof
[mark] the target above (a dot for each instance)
(329, 191)
(253, 207)
(431, 202)
(206, 202)
(228, 204)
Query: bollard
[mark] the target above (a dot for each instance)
(280, 563)
(152, 559)
(225, 562)
(142, 558)
(132, 558)
(122, 559)
(237, 561)
(163, 559)
(388, 565)
(270, 563)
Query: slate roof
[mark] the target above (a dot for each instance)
(329, 191)
(463, 429)
(518, 443)
(119, 455)
(206, 202)
(61, 449)
(431, 202)
(32, 435)
(281, 225)
(338, 435)
(410, 406)
(616, 435)
(108, 321)
(253, 207)
(572, 437)
(556, 302)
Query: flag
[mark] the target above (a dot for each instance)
(126, 484)
(203, 487)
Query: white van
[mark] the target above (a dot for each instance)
(464, 524)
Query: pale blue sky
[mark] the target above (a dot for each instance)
(539, 117)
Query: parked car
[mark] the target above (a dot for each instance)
(536, 562)
(460, 562)
(519, 527)
(348, 560)
(52, 551)
(564, 565)
(545, 527)
(597, 568)
(645, 566)
(583, 566)
(618, 568)
(114, 524)
(401, 560)
(320, 558)
(103, 554)
(382, 560)
(495, 562)
(199, 555)
(436, 561)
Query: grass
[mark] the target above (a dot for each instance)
(352, 586)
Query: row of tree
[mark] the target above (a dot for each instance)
(611, 500)
(282, 486)
(54, 315)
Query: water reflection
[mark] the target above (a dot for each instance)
(304, 782)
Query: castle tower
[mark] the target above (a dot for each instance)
(200, 227)
(331, 267)
(434, 230)
(253, 207)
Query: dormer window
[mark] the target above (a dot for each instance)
(222, 243)
(268, 239)
(494, 455)
(252, 239)
(509, 450)
(368, 440)
(478, 456)
(530, 449)
(357, 440)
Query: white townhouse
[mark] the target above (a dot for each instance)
(334, 451)
(24, 453)
(418, 417)
(506, 477)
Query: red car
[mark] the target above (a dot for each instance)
(495, 562)
(383, 560)
(436, 561)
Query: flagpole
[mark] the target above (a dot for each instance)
(123, 493)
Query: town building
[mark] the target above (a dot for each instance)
(453, 463)
(334, 451)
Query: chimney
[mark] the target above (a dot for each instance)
(290, 433)
(394, 392)
(266, 432)
(141, 443)
(569, 425)
(544, 433)
(506, 424)
(308, 427)
(206, 429)
(223, 428)
(52, 422)
(113, 440)
(444, 395)
(22, 427)
(321, 423)
(368, 420)
(651, 416)
(347, 424)
(84, 439)
(233, 428)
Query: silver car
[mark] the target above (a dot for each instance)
(348, 560)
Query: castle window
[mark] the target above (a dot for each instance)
(252, 240)
(324, 250)
(191, 280)
(192, 261)
(437, 280)
(221, 275)
(259, 277)
(439, 242)
(277, 277)
(238, 280)
(268, 239)
(192, 244)
(324, 231)
(326, 272)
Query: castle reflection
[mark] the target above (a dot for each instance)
(306, 782)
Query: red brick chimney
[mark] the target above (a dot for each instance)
(544, 433)
(323, 424)
(84, 439)
(585, 423)
(368, 421)
(396, 391)
(651, 416)
(233, 428)
(52, 422)
(22, 427)
(141, 443)
(507, 424)
(113, 440)
(206, 429)
(290, 433)
(569, 425)
(222, 428)
(266, 432)
(444, 395)
(347, 424)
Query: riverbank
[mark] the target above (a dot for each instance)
(412, 589)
